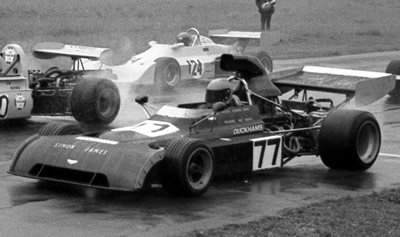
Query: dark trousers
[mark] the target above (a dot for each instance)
(266, 20)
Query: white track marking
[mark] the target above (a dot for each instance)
(344, 72)
(389, 155)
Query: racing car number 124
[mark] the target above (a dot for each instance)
(267, 152)
(196, 68)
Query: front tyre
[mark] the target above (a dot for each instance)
(349, 139)
(95, 101)
(266, 61)
(188, 167)
(167, 73)
(394, 68)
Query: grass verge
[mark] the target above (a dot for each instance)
(371, 215)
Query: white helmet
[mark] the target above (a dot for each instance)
(219, 90)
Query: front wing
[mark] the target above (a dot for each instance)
(85, 161)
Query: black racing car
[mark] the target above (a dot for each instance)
(87, 95)
(242, 126)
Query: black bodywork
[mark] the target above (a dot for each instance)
(183, 147)
(52, 89)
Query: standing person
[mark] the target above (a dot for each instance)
(266, 9)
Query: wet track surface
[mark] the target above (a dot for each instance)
(32, 208)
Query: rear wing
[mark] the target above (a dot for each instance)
(262, 38)
(49, 50)
(366, 87)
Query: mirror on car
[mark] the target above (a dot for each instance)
(142, 99)
(218, 107)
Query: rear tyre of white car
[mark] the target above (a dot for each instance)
(95, 101)
(167, 73)
(394, 68)
(349, 140)
(188, 167)
(57, 128)
(266, 60)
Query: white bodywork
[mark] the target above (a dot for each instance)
(15, 95)
(196, 61)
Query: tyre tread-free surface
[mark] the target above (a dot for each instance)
(167, 73)
(181, 155)
(394, 68)
(266, 60)
(349, 139)
(95, 101)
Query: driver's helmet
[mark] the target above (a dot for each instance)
(219, 90)
(184, 38)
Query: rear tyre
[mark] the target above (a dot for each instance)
(266, 60)
(394, 68)
(167, 73)
(57, 128)
(95, 101)
(349, 139)
(52, 71)
(188, 167)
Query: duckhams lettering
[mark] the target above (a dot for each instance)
(248, 129)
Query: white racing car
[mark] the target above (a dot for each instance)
(192, 56)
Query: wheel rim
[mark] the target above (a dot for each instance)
(368, 140)
(266, 63)
(172, 74)
(107, 103)
(199, 169)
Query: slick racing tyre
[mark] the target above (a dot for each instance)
(188, 167)
(95, 101)
(394, 68)
(266, 60)
(350, 140)
(52, 72)
(57, 128)
(167, 73)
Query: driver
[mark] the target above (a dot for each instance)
(184, 38)
(220, 90)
